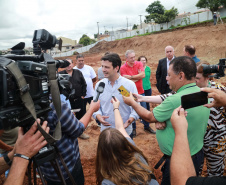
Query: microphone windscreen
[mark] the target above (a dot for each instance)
(102, 84)
(100, 89)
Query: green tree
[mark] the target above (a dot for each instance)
(0, 52)
(212, 5)
(159, 14)
(85, 40)
(155, 7)
(170, 14)
(134, 27)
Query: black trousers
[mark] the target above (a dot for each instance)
(197, 161)
(77, 174)
(78, 104)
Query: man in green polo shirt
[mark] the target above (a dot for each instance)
(181, 79)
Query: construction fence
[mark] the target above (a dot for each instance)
(189, 19)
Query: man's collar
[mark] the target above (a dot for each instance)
(170, 60)
(133, 64)
(186, 86)
(116, 81)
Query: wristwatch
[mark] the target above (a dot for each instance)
(6, 158)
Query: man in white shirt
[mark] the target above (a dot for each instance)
(111, 64)
(89, 75)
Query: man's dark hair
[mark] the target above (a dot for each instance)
(190, 49)
(108, 52)
(186, 65)
(113, 58)
(79, 56)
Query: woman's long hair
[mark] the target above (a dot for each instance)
(119, 161)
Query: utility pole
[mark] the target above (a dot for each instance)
(98, 30)
(140, 22)
(127, 23)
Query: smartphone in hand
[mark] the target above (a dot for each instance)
(125, 92)
(114, 98)
(194, 99)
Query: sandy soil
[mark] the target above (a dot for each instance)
(210, 42)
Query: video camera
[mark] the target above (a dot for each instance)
(218, 69)
(34, 69)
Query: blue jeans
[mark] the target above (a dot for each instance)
(197, 161)
(144, 104)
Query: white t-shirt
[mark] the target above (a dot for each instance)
(88, 74)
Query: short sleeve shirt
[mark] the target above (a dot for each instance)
(197, 121)
(89, 74)
(146, 80)
(128, 70)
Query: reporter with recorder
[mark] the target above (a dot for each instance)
(118, 160)
(67, 146)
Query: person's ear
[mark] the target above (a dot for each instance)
(181, 76)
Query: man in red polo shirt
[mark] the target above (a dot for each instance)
(133, 70)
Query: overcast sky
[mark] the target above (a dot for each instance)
(72, 18)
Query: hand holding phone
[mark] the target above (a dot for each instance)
(125, 92)
(194, 99)
(115, 103)
(114, 98)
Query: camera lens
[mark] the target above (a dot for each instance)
(207, 69)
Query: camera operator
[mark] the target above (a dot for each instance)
(27, 145)
(67, 146)
(182, 170)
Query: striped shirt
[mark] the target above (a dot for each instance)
(68, 147)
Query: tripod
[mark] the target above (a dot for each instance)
(50, 154)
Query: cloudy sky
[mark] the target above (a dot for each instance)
(72, 18)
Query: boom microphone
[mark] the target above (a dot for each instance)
(100, 89)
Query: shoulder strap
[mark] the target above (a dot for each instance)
(28, 102)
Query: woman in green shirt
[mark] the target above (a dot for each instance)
(147, 79)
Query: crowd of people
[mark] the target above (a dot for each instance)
(185, 137)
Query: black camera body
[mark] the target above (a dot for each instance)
(35, 71)
(218, 69)
(12, 111)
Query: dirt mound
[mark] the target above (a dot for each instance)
(210, 42)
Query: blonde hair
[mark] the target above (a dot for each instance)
(119, 161)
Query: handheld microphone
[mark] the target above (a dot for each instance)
(100, 89)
